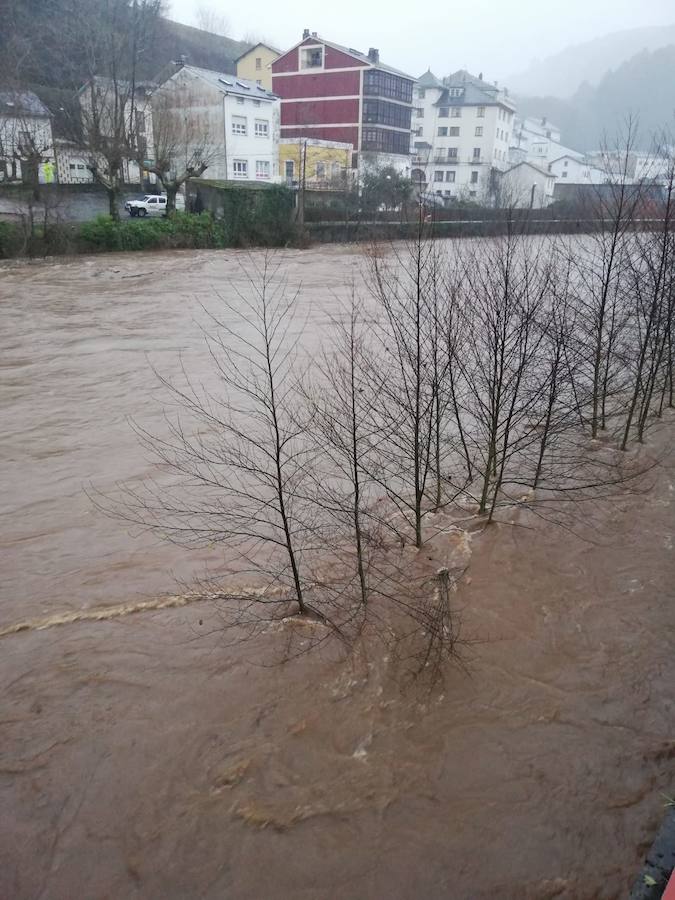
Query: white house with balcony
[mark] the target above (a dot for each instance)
(538, 141)
(462, 129)
(238, 123)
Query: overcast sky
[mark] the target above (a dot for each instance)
(497, 37)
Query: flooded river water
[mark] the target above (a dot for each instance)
(141, 757)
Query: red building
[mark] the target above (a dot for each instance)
(338, 94)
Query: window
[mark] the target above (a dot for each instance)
(320, 170)
(262, 128)
(262, 168)
(311, 58)
(81, 166)
(240, 168)
(382, 112)
(421, 93)
(454, 131)
(140, 122)
(419, 132)
(72, 167)
(564, 174)
(442, 132)
(443, 112)
(450, 176)
(474, 178)
(472, 193)
(383, 84)
(240, 101)
(456, 92)
(162, 201)
(565, 164)
(419, 112)
(289, 167)
(476, 152)
(452, 152)
(152, 200)
(456, 112)
(258, 63)
(480, 112)
(256, 102)
(479, 131)
(385, 140)
(238, 124)
(438, 176)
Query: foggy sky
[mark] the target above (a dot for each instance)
(497, 37)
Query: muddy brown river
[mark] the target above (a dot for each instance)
(145, 757)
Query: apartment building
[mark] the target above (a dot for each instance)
(26, 138)
(335, 93)
(235, 121)
(538, 141)
(462, 131)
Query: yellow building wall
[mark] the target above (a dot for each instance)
(336, 161)
(255, 66)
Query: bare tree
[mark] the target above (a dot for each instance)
(209, 19)
(112, 37)
(183, 145)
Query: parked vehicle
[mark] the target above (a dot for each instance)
(151, 205)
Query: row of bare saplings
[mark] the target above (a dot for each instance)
(453, 382)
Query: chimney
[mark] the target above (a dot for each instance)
(480, 76)
(315, 34)
(305, 34)
(373, 54)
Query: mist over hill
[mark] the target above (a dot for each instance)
(642, 87)
(562, 74)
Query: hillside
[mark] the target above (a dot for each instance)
(644, 87)
(563, 74)
(36, 47)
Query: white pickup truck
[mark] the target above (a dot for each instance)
(151, 205)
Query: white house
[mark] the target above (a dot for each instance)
(117, 111)
(576, 170)
(527, 185)
(25, 137)
(461, 131)
(538, 141)
(238, 122)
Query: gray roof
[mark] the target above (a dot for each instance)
(255, 47)
(429, 80)
(22, 103)
(476, 91)
(531, 165)
(230, 84)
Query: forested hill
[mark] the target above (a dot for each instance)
(563, 73)
(644, 87)
(49, 42)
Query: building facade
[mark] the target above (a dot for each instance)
(538, 141)
(334, 93)
(256, 65)
(526, 185)
(236, 122)
(462, 130)
(321, 165)
(576, 170)
(26, 139)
